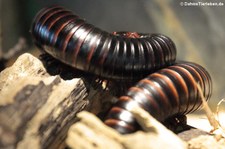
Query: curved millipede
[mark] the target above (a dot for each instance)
(165, 93)
(124, 56)
(120, 56)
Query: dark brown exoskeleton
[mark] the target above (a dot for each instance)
(168, 92)
(73, 41)
(124, 56)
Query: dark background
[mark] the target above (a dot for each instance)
(198, 31)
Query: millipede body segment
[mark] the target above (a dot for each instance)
(165, 93)
(170, 89)
(120, 56)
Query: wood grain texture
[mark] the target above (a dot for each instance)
(91, 133)
(36, 109)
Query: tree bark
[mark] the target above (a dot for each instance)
(37, 109)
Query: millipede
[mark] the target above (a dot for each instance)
(165, 93)
(169, 88)
(117, 55)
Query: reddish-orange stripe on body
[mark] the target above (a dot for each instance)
(117, 109)
(51, 14)
(191, 79)
(114, 122)
(61, 27)
(180, 79)
(91, 51)
(105, 50)
(170, 85)
(151, 100)
(159, 91)
(80, 41)
(181, 83)
(69, 35)
(42, 13)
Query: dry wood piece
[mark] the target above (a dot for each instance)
(206, 142)
(36, 109)
(91, 133)
(158, 132)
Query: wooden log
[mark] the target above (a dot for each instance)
(206, 142)
(37, 109)
(91, 133)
